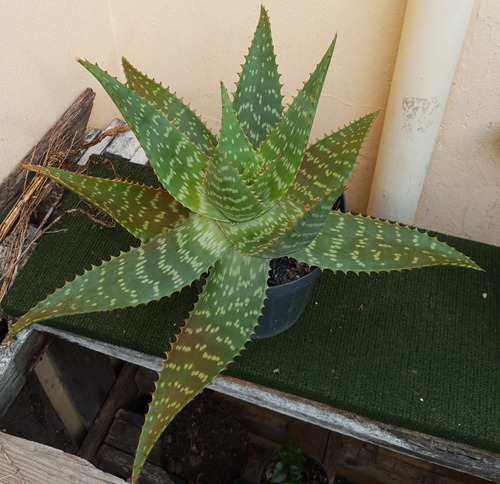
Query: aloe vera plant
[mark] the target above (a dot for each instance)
(230, 204)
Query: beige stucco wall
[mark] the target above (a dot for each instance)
(192, 44)
(461, 194)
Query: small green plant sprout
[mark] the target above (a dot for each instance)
(290, 464)
(230, 203)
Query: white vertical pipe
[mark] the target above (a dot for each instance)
(431, 41)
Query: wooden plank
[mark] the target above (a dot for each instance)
(16, 361)
(124, 435)
(332, 454)
(364, 462)
(32, 417)
(26, 462)
(140, 157)
(120, 463)
(269, 426)
(120, 395)
(88, 389)
(98, 148)
(123, 145)
(310, 438)
(69, 131)
(125, 354)
(60, 398)
(446, 453)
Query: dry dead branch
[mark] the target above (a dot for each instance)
(16, 223)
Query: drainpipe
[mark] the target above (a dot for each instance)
(431, 41)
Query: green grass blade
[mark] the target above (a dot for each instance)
(284, 148)
(144, 211)
(178, 113)
(328, 163)
(362, 244)
(177, 162)
(219, 326)
(257, 100)
(143, 274)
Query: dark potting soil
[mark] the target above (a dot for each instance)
(312, 473)
(286, 269)
(206, 443)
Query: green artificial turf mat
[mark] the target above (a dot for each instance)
(418, 349)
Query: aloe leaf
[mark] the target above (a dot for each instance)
(176, 161)
(233, 141)
(329, 162)
(220, 324)
(253, 236)
(284, 148)
(144, 211)
(228, 191)
(307, 224)
(180, 114)
(146, 273)
(257, 100)
(362, 244)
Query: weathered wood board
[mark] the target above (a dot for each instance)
(16, 360)
(26, 462)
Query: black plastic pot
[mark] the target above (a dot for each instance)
(286, 302)
(324, 475)
(284, 305)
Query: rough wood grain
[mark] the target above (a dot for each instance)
(445, 453)
(16, 361)
(124, 145)
(120, 395)
(100, 147)
(69, 130)
(124, 434)
(33, 417)
(439, 451)
(120, 463)
(88, 390)
(26, 462)
(367, 463)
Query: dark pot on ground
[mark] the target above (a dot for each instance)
(314, 472)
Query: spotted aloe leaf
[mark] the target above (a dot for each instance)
(305, 227)
(363, 244)
(144, 211)
(146, 273)
(180, 115)
(283, 149)
(328, 163)
(228, 191)
(234, 142)
(254, 236)
(218, 327)
(257, 100)
(177, 162)
(325, 165)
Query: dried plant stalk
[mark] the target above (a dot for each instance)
(38, 189)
